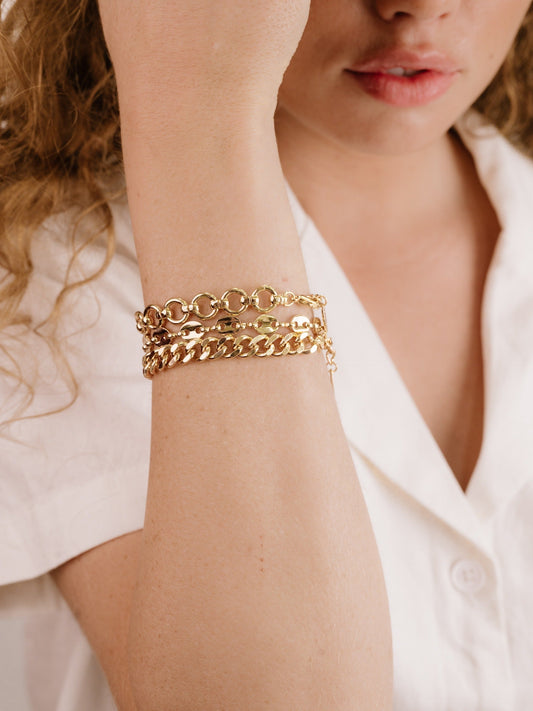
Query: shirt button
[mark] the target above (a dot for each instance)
(468, 576)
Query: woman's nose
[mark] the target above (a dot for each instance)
(417, 9)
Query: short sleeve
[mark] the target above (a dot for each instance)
(75, 478)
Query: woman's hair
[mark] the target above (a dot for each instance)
(508, 100)
(59, 149)
(60, 138)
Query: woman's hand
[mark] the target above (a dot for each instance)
(228, 53)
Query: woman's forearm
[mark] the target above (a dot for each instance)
(260, 585)
(209, 207)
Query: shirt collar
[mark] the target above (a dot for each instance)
(507, 176)
(379, 416)
(506, 459)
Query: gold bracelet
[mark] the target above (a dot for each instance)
(155, 315)
(227, 326)
(202, 349)
(164, 348)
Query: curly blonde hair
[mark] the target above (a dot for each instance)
(60, 136)
(508, 100)
(59, 148)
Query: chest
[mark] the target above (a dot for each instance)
(428, 314)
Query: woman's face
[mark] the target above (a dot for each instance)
(390, 76)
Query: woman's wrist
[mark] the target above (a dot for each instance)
(209, 208)
(150, 111)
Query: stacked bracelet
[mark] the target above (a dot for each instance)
(171, 337)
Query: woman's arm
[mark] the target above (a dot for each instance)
(258, 580)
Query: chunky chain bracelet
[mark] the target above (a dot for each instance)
(170, 339)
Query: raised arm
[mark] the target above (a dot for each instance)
(258, 583)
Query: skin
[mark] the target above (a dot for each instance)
(368, 148)
(380, 158)
(357, 148)
(474, 34)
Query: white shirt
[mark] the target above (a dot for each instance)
(458, 568)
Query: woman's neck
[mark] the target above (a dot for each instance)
(378, 206)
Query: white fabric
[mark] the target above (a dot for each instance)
(458, 567)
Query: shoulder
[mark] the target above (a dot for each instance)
(498, 161)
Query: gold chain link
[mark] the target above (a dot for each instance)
(164, 349)
(172, 354)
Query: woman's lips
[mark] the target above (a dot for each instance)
(405, 91)
(429, 76)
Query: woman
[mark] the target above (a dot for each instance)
(255, 582)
